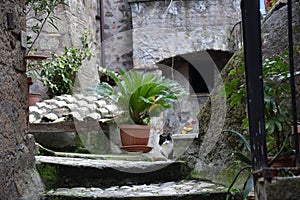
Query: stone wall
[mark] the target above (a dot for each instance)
(117, 34)
(212, 153)
(75, 19)
(164, 29)
(18, 178)
(275, 42)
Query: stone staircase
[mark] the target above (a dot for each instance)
(124, 176)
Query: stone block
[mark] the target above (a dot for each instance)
(280, 188)
(79, 172)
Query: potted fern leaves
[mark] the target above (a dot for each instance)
(139, 96)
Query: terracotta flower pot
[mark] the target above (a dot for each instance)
(286, 161)
(33, 99)
(135, 137)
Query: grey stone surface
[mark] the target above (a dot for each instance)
(275, 28)
(83, 172)
(66, 141)
(117, 35)
(18, 178)
(275, 33)
(75, 19)
(212, 153)
(280, 188)
(169, 190)
(165, 29)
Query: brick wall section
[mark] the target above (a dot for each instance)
(18, 180)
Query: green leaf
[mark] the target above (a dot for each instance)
(243, 158)
(246, 143)
(248, 186)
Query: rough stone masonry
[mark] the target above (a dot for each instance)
(18, 177)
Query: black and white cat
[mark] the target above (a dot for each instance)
(166, 145)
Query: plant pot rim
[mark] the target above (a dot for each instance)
(29, 80)
(37, 56)
(134, 126)
(35, 94)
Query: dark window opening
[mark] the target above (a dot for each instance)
(196, 80)
(197, 83)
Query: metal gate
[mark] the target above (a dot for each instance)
(255, 97)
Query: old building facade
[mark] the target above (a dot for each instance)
(18, 177)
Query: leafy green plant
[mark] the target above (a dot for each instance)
(140, 95)
(59, 72)
(276, 97)
(39, 13)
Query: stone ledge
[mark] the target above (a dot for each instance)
(185, 189)
(82, 172)
(136, 1)
(185, 136)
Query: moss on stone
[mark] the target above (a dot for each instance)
(219, 165)
(48, 174)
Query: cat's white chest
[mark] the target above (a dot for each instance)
(166, 148)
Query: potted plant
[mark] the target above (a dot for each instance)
(139, 96)
(58, 71)
(278, 110)
(38, 14)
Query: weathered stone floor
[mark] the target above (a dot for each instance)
(88, 177)
(168, 190)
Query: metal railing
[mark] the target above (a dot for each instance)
(254, 81)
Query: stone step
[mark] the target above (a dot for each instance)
(67, 172)
(185, 189)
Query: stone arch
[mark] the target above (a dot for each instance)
(159, 34)
(197, 67)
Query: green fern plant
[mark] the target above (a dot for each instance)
(140, 95)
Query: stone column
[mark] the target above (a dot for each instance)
(18, 177)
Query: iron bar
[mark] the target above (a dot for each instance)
(292, 80)
(254, 82)
(102, 33)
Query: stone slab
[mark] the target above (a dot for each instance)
(82, 172)
(184, 189)
(124, 157)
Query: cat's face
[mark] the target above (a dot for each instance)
(165, 139)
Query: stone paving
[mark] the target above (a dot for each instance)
(184, 187)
